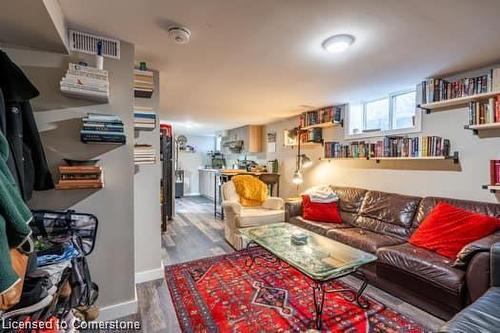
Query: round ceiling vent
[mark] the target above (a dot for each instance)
(180, 35)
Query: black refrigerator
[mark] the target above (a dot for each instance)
(167, 157)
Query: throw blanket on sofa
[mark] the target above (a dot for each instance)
(252, 191)
(322, 194)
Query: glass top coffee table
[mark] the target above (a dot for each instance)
(319, 258)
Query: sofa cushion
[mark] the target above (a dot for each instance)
(447, 229)
(387, 213)
(424, 265)
(321, 212)
(362, 239)
(480, 316)
(317, 227)
(350, 200)
(251, 217)
(428, 203)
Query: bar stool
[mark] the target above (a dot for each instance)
(271, 180)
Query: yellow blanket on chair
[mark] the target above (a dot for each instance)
(252, 191)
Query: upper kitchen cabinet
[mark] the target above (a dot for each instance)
(247, 138)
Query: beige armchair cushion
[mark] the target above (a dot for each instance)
(251, 217)
(273, 203)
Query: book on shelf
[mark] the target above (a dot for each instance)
(329, 114)
(436, 90)
(85, 82)
(390, 146)
(495, 172)
(484, 112)
(80, 177)
(143, 73)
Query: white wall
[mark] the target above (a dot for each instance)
(191, 162)
(112, 261)
(147, 210)
(423, 178)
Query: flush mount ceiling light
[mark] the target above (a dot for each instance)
(338, 43)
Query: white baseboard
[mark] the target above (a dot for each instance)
(150, 275)
(192, 194)
(118, 310)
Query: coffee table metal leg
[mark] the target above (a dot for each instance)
(319, 292)
(319, 300)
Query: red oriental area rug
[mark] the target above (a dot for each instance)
(220, 294)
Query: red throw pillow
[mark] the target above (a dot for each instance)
(321, 212)
(447, 229)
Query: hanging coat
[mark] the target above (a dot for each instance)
(27, 161)
(14, 219)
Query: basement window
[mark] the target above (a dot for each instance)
(390, 115)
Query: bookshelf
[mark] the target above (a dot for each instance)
(324, 125)
(455, 102)
(307, 144)
(492, 188)
(329, 159)
(482, 127)
(453, 157)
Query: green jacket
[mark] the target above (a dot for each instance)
(14, 219)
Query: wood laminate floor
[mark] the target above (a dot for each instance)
(195, 234)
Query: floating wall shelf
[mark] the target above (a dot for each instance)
(492, 188)
(324, 125)
(453, 157)
(428, 107)
(482, 127)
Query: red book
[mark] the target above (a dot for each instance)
(495, 172)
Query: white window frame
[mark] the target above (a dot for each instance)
(415, 129)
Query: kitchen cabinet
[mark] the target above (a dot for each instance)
(251, 135)
(207, 183)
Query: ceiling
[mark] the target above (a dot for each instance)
(252, 62)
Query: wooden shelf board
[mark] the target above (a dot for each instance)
(322, 125)
(413, 158)
(483, 126)
(343, 158)
(306, 144)
(457, 101)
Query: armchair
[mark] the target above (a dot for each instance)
(237, 216)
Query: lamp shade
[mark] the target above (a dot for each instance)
(297, 178)
(305, 161)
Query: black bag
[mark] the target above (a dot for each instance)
(60, 227)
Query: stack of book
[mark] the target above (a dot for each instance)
(397, 146)
(101, 128)
(144, 118)
(435, 90)
(144, 154)
(329, 114)
(353, 150)
(85, 82)
(143, 83)
(495, 172)
(80, 177)
(484, 112)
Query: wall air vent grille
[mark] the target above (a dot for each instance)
(87, 43)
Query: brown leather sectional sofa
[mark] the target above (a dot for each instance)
(381, 223)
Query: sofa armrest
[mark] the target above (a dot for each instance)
(495, 265)
(470, 250)
(274, 203)
(477, 276)
(231, 207)
(292, 208)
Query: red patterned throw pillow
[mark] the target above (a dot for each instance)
(320, 212)
(447, 229)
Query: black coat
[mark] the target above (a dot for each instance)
(27, 160)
